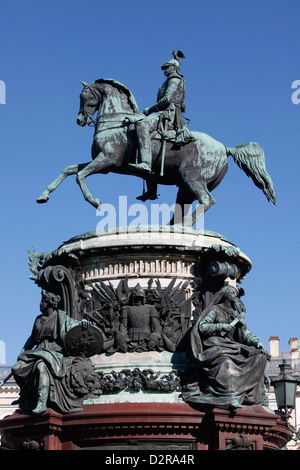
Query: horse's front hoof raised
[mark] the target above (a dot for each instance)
(97, 204)
(42, 199)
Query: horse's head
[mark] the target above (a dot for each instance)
(89, 103)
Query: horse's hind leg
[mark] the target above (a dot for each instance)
(199, 189)
(69, 170)
(184, 200)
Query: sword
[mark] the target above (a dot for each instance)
(6, 379)
(163, 147)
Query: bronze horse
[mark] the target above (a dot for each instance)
(196, 167)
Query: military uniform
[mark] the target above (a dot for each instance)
(170, 103)
(167, 114)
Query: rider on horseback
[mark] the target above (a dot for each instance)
(167, 112)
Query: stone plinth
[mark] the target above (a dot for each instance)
(146, 426)
(145, 377)
(143, 371)
(143, 255)
(149, 252)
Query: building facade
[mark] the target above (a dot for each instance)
(293, 357)
(9, 392)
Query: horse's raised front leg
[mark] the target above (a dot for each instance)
(69, 170)
(98, 165)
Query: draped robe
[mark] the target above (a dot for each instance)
(232, 366)
(47, 336)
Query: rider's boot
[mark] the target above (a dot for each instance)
(151, 192)
(144, 168)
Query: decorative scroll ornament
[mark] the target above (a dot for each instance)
(219, 265)
(59, 272)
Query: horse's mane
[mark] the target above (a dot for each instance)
(123, 88)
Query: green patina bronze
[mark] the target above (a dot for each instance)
(156, 145)
(226, 362)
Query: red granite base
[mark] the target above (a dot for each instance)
(145, 426)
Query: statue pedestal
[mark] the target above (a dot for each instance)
(140, 402)
(141, 253)
(146, 426)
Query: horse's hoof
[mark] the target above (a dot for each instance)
(42, 199)
(97, 203)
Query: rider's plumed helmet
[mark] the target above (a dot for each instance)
(171, 62)
(175, 62)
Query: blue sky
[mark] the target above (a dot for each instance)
(241, 61)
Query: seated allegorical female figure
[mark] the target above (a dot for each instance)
(230, 361)
(46, 374)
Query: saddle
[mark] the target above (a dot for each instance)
(178, 136)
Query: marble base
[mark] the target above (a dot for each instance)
(142, 253)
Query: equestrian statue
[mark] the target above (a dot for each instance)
(157, 146)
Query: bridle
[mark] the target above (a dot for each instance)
(86, 115)
(115, 119)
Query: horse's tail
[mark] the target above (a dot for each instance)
(251, 158)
